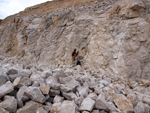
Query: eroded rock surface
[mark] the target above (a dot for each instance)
(112, 36)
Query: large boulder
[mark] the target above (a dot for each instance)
(6, 89)
(9, 103)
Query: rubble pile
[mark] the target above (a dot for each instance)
(70, 90)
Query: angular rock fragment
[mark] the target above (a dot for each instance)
(65, 80)
(9, 103)
(13, 77)
(58, 99)
(58, 73)
(52, 82)
(79, 100)
(46, 74)
(21, 94)
(139, 108)
(35, 84)
(83, 91)
(12, 71)
(35, 94)
(92, 96)
(55, 107)
(146, 99)
(70, 86)
(146, 82)
(2, 110)
(38, 78)
(30, 107)
(54, 92)
(123, 103)
(6, 89)
(87, 105)
(45, 89)
(133, 98)
(69, 96)
(22, 81)
(25, 72)
(67, 107)
(101, 104)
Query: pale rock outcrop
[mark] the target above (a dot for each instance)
(112, 37)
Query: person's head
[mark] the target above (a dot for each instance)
(74, 50)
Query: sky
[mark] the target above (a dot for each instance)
(10, 7)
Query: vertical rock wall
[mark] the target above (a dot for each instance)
(112, 37)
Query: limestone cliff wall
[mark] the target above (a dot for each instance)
(113, 37)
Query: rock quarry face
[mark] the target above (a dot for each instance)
(112, 36)
(113, 39)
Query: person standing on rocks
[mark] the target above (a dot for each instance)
(74, 55)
